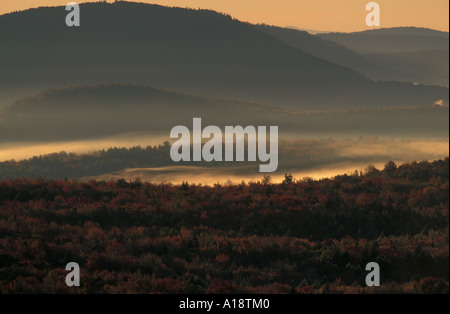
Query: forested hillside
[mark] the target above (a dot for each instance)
(296, 237)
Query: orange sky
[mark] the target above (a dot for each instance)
(325, 15)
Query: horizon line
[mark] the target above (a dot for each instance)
(311, 30)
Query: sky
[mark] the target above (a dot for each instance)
(317, 15)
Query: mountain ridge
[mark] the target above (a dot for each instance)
(191, 51)
(428, 67)
(400, 30)
(391, 40)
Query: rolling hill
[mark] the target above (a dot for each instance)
(97, 111)
(196, 52)
(391, 40)
(425, 67)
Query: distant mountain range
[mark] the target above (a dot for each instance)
(197, 52)
(391, 40)
(398, 54)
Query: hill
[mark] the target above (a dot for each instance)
(319, 47)
(425, 67)
(83, 112)
(391, 40)
(92, 112)
(197, 52)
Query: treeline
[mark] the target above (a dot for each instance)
(300, 236)
(295, 156)
(65, 165)
(73, 166)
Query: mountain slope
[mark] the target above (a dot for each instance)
(196, 52)
(426, 67)
(317, 46)
(391, 40)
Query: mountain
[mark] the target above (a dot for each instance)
(197, 52)
(328, 50)
(391, 40)
(425, 67)
(316, 46)
(94, 112)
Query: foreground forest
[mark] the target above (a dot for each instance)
(301, 236)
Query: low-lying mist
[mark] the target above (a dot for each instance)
(315, 158)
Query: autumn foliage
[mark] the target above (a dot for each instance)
(302, 236)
